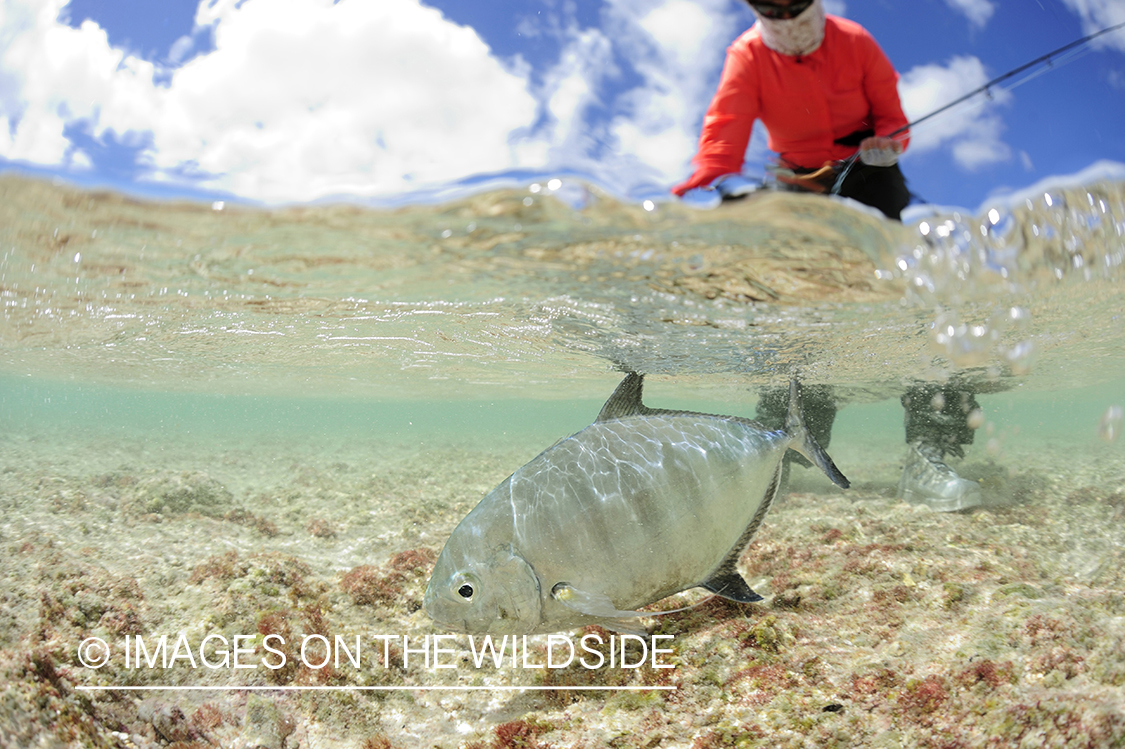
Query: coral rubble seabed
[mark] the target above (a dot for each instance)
(883, 625)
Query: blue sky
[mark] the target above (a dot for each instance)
(281, 101)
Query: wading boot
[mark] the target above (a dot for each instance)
(927, 480)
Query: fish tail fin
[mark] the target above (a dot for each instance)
(803, 441)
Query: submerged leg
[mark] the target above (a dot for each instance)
(803, 442)
(819, 406)
(938, 416)
(937, 423)
(817, 402)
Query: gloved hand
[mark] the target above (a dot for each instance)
(701, 178)
(879, 151)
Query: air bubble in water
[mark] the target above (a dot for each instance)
(1110, 425)
(1020, 316)
(976, 419)
(1021, 356)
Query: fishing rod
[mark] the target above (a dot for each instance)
(850, 161)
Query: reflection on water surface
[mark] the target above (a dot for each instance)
(503, 290)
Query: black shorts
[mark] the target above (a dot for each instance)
(881, 187)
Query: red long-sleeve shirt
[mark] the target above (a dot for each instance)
(846, 85)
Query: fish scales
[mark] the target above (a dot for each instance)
(636, 489)
(641, 504)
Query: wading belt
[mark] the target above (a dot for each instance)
(812, 180)
(823, 179)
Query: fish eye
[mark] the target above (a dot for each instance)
(465, 586)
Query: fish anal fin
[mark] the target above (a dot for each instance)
(732, 587)
(626, 400)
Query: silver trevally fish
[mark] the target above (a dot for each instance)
(641, 504)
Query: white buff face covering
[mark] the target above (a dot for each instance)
(795, 36)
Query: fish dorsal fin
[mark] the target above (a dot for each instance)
(626, 400)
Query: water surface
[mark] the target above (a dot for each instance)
(231, 421)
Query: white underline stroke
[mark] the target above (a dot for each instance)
(368, 689)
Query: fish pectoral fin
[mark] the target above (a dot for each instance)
(591, 604)
(732, 587)
(598, 606)
(623, 626)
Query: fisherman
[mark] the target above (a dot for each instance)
(826, 92)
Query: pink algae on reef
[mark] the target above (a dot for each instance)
(883, 625)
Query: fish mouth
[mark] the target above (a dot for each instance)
(449, 625)
(461, 628)
(458, 625)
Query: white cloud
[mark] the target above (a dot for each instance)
(180, 49)
(1101, 14)
(836, 7)
(977, 11)
(984, 148)
(677, 47)
(646, 134)
(62, 76)
(971, 130)
(681, 30)
(569, 92)
(299, 98)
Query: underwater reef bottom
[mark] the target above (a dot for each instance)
(883, 624)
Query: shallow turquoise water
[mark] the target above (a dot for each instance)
(385, 317)
(507, 315)
(28, 404)
(379, 372)
(1018, 424)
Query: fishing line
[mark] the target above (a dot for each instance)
(996, 92)
(1048, 58)
(1053, 65)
